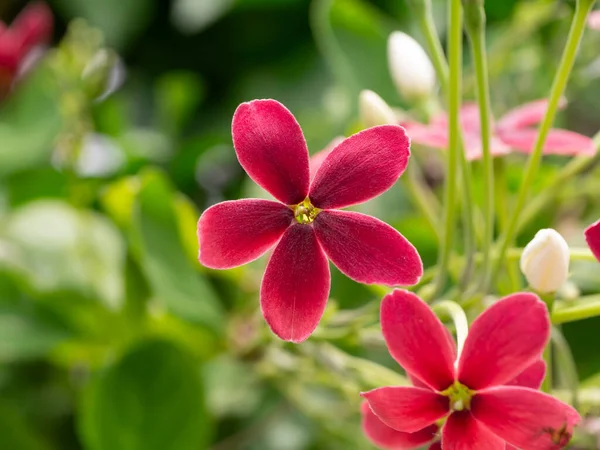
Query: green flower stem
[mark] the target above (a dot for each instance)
(458, 316)
(566, 363)
(558, 87)
(436, 52)
(476, 32)
(548, 351)
(576, 254)
(583, 308)
(424, 199)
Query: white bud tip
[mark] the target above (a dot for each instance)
(545, 261)
(374, 110)
(410, 67)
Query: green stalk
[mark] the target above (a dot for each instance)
(424, 199)
(584, 308)
(566, 363)
(548, 379)
(475, 26)
(558, 87)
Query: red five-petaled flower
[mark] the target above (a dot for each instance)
(592, 236)
(485, 413)
(306, 224)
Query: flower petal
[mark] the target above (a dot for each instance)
(436, 446)
(296, 284)
(526, 115)
(524, 417)
(367, 249)
(407, 409)
(361, 167)
(271, 148)
(592, 237)
(317, 159)
(558, 142)
(507, 338)
(417, 339)
(463, 432)
(388, 438)
(429, 136)
(236, 232)
(531, 377)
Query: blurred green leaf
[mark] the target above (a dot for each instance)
(152, 399)
(162, 258)
(177, 96)
(29, 123)
(15, 433)
(192, 16)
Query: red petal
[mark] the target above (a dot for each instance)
(592, 236)
(296, 284)
(407, 409)
(525, 418)
(361, 167)
(531, 377)
(558, 142)
(34, 24)
(436, 446)
(317, 159)
(526, 115)
(388, 438)
(417, 339)
(463, 432)
(236, 232)
(367, 249)
(507, 338)
(271, 148)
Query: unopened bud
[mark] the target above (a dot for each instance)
(103, 74)
(545, 261)
(374, 110)
(410, 67)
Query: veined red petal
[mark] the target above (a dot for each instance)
(463, 432)
(295, 286)
(504, 340)
(558, 142)
(271, 148)
(236, 232)
(532, 377)
(367, 249)
(388, 438)
(407, 409)
(361, 167)
(417, 339)
(526, 115)
(592, 237)
(317, 159)
(525, 418)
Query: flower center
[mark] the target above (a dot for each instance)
(305, 212)
(459, 395)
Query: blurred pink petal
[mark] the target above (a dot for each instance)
(417, 340)
(296, 284)
(271, 148)
(34, 24)
(367, 249)
(592, 237)
(594, 20)
(462, 431)
(317, 159)
(526, 115)
(388, 438)
(407, 409)
(558, 142)
(504, 340)
(236, 232)
(361, 167)
(524, 417)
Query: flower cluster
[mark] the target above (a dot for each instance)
(32, 28)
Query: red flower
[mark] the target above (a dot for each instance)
(513, 131)
(306, 224)
(32, 27)
(592, 236)
(505, 343)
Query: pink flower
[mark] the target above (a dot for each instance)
(486, 409)
(513, 131)
(594, 20)
(305, 226)
(32, 27)
(592, 237)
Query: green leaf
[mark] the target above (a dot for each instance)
(15, 433)
(29, 124)
(162, 258)
(152, 399)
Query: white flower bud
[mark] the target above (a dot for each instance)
(374, 110)
(410, 67)
(545, 261)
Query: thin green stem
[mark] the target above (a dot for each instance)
(566, 363)
(454, 83)
(424, 199)
(458, 316)
(436, 52)
(548, 351)
(584, 308)
(477, 38)
(558, 87)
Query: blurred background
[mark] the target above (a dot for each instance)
(115, 135)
